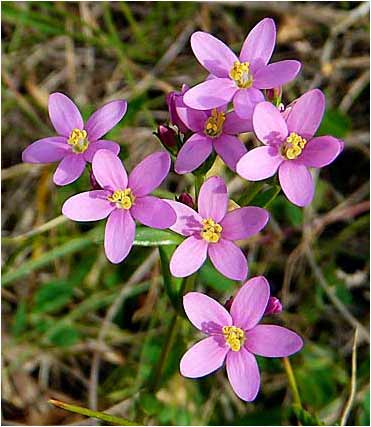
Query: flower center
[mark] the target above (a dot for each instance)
(214, 124)
(78, 141)
(234, 337)
(240, 73)
(124, 199)
(211, 230)
(293, 146)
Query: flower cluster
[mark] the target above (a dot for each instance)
(241, 94)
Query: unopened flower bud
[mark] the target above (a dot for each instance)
(167, 136)
(186, 199)
(228, 304)
(274, 95)
(274, 306)
(93, 182)
(174, 100)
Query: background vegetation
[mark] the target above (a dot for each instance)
(84, 331)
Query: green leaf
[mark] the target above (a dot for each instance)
(150, 404)
(53, 296)
(211, 277)
(265, 197)
(146, 236)
(20, 319)
(305, 418)
(335, 123)
(365, 410)
(172, 284)
(63, 336)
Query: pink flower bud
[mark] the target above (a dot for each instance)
(93, 182)
(274, 95)
(228, 304)
(167, 136)
(173, 100)
(274, 306)
(186, 199)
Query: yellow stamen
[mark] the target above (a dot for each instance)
(240, 73)
(78, 141)
(234, 337)
(124, 199)
(214, 124)
(211, 230)
(293, 146)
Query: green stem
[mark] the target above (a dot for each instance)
(93, 414)
(292, 382)
(252, 190)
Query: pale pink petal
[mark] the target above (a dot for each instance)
(102, 144)
(109, 171)
(321, 151)
(105, 118)
(149, 173)
(212, 54)
(245, 101)
(296, 182)
(203, 358)
(213, 199)
(46, 150)
(119, 235)
(188, 221)
(249, 304)
(243, 374)
(228, 259)
(306, 113)
(259, 44)
(230, 149)
(193, 153)
(276, 74)
(88, 206)
(69, 169)
(193, 119)
(259, 163)
(234, 124)
(153, 212)
(269, 125)
(188, 257)
(64, 114)
(210, 94)
(272, 341)
(205, 313)
(244, 222)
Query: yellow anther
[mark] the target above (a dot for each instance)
(293, 146)
(211, 230)
(78, 140)
(214, 124)
(234, 337)
(124, 199)
(240, 73)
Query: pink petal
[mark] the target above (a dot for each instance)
(213, 199)
(69, 169)
(272, 341)
(259, 44)
(203, 358)
(205, 313)
(88, 206)
(245, 101)
(188, 257)
(153, 212)
(64, 114)
(321, 151)
(250, 302)
(243, 374)
(105, 118)
(212, 54)
(276, 74)
(244, 222)
(234, 125)
(306, 114)
(109, 171)
(269, 125)
(228, 259)
(193, 119)
(102, 144)
(193, 153)
(46, 150)
(188, 221)
(210, 94)
(296, 182)
(149, 173)
(174, 100)
(230, 149)
(119, 235)
(259, 163)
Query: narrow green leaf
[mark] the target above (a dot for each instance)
(146, 236)
(53, 296)
(172, 284)
(20, 319)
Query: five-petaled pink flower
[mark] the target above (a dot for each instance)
(235, 337)
(290, 146)
(75, 144)
(212, 230)
(123, 199)
(213, 129)
(238, 79)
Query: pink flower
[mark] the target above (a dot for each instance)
(174, 100)
(214, 129)
(212, 232)
(235, 337)
(290, 147)
(123, 200)
(238, 79)
(75, 144)
(274, 306)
